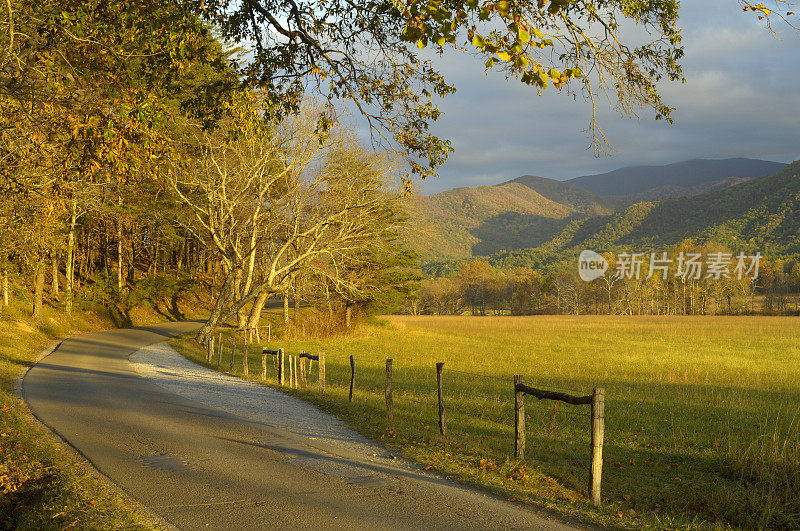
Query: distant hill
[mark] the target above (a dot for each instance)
(463, 222)
(565, 192)
(643, 204)
(673, 180)
(761, 214)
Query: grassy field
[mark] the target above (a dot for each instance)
(701, 412)
(41, 486)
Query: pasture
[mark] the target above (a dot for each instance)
(701, 414)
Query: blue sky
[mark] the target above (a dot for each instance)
(741, 98)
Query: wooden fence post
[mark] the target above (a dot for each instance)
(210, 348)
(352, 375)
(442, 420)
(303, 382)
(291, 372)
(245, 361)
(264, 367)
(519, 420)
(321, 381)
(389, 401)
(281, 369)
(598, 429)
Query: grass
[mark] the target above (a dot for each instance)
(41, 485)
(701, 412)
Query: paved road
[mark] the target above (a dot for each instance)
(199, 467)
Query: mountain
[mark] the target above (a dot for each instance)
(685, 178)
(761, 215)
(464, 222)
(565, 192)
(634, 203)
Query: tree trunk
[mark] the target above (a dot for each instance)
(255, 312)
(131, 268)
(226, 294)
(5, 287)
(38, 290)
(120, 277)
(348, 315)
(54, 284)
(330, 304)
(70, 265)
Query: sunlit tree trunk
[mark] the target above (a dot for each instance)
(120, 277)
(70, 265)
(38, 290)
(54, 283)
(255, 312)
(5, 287)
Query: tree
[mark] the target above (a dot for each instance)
(369, 54)
(272, 199)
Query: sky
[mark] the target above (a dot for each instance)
(741, 99)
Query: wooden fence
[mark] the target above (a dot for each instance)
(596, 400)
(294, 371)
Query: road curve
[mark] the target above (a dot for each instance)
(199, 467)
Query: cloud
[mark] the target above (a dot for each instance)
(740, 99)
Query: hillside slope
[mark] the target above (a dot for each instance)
(463, 222)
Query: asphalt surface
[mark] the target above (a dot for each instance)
(201, 467)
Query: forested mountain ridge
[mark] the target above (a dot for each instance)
(482, 220)
(760, 215)
(531, 211)
(679, 177)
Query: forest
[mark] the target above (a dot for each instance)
(138, 169)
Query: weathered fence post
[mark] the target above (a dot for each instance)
(442, 420)
(281, 369)
(352, 375)
(389, 401)
(598, 429)
(292, 374)
(219, 359)
(209, 349)
(302, 362)
(321, 381)
(519, 419)
(245, 361)
(264, 367)
(233, 350)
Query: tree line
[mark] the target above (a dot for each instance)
(480, 288)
